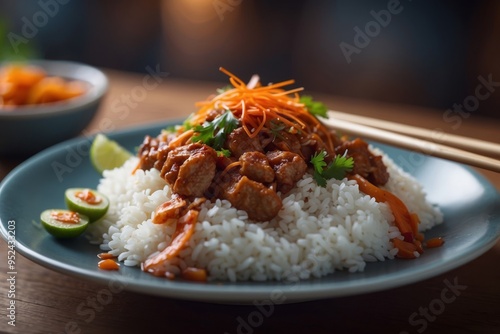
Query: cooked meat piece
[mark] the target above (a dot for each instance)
(189, 169)
(153, 151)
(147, 152)
(260, 202)
(223, 162)
(379, 174)
(238, 143)
(256, 167)
(311, 144)
(366, 163)
(221, 182)
(161, 156)
(288, 168)
(358, 150)
(286, 141)
(213, 114)
(265, 138)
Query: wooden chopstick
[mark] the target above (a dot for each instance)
(469, 144)
(415, 144)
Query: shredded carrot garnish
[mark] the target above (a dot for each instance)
(181, 139)
(231, 165)
(258, 106)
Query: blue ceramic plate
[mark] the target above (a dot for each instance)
(470, 204)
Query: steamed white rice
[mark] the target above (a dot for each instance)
(318, 230)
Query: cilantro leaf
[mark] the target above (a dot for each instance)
(214, 133)
(318, 161)
(337, 169)
(314, 107)
(276, 128)
(320, 180)
(187, 123)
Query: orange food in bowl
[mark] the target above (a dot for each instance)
(28, 85)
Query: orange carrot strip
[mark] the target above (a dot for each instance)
(402, 218)
(419, 246)
(231, 75)
(420, 237)
(415, 221)
(108, 264)
(406, 250)
(183, 232)
(434, 242)
(231, 165)
(258, 106)
(194, 274)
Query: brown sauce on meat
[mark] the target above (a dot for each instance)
(252, 173)
(250, 150)
(249, 147)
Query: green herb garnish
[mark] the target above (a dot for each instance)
(314, 107)
(276, 128)
(337, 169)
(171, 129)
(224, 89)
(224, 153)
(186, 125)
(214, 133)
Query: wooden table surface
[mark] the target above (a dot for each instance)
(48, 302)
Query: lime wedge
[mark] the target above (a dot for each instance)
(88, 202)
(73, 225)
(107, 154)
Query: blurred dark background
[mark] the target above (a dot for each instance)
(427, 53)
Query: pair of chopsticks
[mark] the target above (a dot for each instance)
(448, 146)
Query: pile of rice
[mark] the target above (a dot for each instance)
(318, 230)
